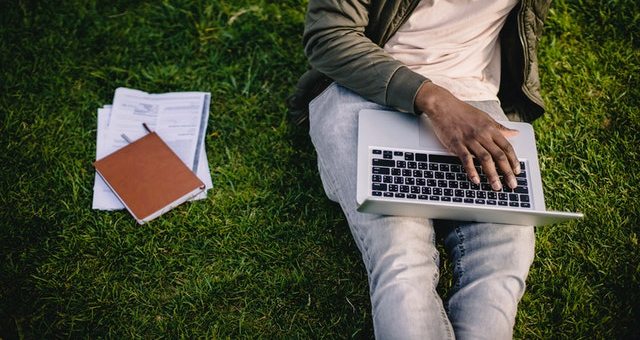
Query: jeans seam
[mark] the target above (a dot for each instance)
(443, 312)
(462, 251)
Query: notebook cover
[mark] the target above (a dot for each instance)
(148, 177)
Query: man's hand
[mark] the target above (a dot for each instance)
(466, 132)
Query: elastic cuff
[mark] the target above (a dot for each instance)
(403, 88)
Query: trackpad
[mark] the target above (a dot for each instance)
(428, 138)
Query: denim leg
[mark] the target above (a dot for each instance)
(399, 253)
(490, 265)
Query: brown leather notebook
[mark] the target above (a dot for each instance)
(148, 177)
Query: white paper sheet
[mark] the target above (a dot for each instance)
(174, 116)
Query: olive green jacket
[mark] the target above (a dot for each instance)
(343, 41)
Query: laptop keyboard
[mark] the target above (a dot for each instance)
(404, 174)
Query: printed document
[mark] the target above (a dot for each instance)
(179, 118)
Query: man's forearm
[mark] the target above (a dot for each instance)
(336, 45)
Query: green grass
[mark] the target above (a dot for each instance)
(267, 255)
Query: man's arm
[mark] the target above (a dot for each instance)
(466, 132)
(335, 45)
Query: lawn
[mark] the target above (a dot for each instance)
(266, 254)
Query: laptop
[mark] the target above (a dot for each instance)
(404, 170)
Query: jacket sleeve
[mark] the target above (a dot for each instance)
(336, 45)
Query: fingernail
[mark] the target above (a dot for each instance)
(513, 183)
(475, 180)
(496, 185)
(517, 170)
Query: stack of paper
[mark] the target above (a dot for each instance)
(179, 118)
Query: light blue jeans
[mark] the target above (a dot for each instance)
(490, 261)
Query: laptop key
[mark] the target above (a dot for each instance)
(444, 159)
(389, 163)
(521, 190)
(380, 171)
(379, 187)
(421, 157)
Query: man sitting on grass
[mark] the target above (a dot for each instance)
(463, 64)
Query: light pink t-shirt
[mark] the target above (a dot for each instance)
(455, 44)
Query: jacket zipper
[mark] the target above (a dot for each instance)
(525, 54)
(406, 15)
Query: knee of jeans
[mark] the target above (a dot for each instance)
(523, 250)
(403, 255)
(508, 251)
(327, 182)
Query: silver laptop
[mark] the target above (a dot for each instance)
(404, 170)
